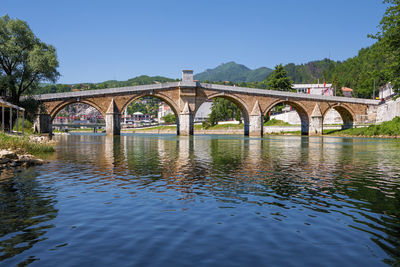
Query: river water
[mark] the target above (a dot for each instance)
(165, 200)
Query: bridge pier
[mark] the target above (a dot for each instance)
(256, 121)
(186, 121)
(113, 120)
(316, 121)
(43, 124)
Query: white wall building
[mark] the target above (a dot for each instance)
(163, 110)
(386, 91)
(314, 88)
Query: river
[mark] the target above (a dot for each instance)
(207, 200)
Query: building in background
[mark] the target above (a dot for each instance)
(163, 110)
(314, 88)
(203, 112)
(347, 92)
(386, 91)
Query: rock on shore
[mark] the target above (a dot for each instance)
(11, 159)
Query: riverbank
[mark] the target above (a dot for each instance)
(23, 151)
(389, 129)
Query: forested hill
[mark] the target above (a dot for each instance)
(140, 80)
(360, 73)
(233, 72)
(310, 72)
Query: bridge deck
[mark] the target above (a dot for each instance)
(216, 87)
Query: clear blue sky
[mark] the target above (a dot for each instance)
(98, 40)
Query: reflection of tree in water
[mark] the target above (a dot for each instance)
(378, 209)
(226, 156)
(25, 211)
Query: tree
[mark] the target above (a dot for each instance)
(221, 110)
(389, 35)
(169, 118)
(279, 80)
(25, 61)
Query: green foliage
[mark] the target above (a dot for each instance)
(169, 118)
(24, 60)
(219, 126)
(310, 72)
(31, 106)
(389, 36)
(146, 105)
(360, 72)
(387, 128)
(234, 73)
(28, 126)
(23, 144)
(279, 80)
(222, 110)
(275, 122)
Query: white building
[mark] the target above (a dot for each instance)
(386, 91)
(163, 110)
(203, 112)
(314, 88)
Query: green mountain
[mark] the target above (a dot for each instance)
(310, 72)
(233, 72)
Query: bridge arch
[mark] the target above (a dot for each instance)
(234, 99)
(345, 112)
(160, 96)
(64, 104)
(300, 109)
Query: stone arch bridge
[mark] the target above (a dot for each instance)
(186, 96)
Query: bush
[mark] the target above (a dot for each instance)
(169, 118)
(389, 128)
(28, 126)
(23, 144)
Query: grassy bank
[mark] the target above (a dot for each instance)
(219, 126)
(387, 128)
(275, 122)
(23, 144)
(28, 127)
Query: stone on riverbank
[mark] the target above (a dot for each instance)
(11, 159)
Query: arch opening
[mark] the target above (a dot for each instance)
(77, 116)
(338, 117)
(286, 116)
(222, 113)
(150, 112)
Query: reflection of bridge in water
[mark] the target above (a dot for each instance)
(187, 96)
(64, 126)
(185, 162)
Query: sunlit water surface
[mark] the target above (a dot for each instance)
(149, 200)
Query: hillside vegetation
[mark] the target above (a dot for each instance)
(387, 128)
(360, 73)
(233, 72)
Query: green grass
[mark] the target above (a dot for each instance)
(28, 127)
(162, 127)
(275, 122)
(219, 126)
(23, 144)
(387, 128)
(86, 130)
